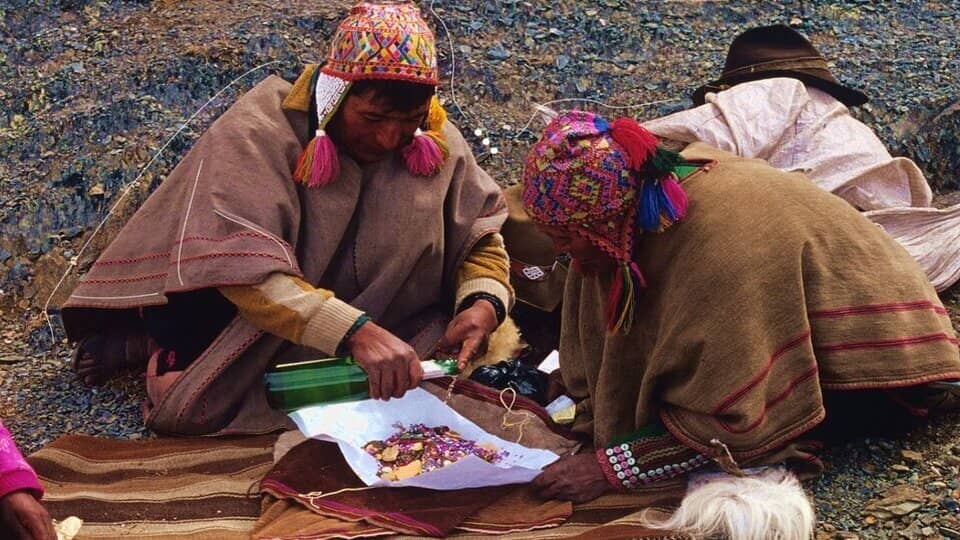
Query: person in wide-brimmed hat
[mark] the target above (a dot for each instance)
(778, 51)
(777, 100)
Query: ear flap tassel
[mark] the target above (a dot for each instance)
(639, 143)
(426, 154)
(318, 164)
(663, 161)
(614, 297)
(648, 216)
(674, 196)
(662, 203)
(627, 284)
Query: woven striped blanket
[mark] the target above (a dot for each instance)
(297, 504)
(164, 489)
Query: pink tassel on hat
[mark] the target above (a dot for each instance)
(676, 196)
(326, 164)
(318, 164)
(424, 155)
(639, 143)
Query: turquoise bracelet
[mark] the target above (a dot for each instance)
(342, 349)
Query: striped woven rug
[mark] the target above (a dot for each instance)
(164, 489)
(292, 511)
(612, 517)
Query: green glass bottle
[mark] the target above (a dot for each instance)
(330, 380)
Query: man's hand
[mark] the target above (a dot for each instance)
(469, 332)
(23, 517)
(391, 364)
(572, 478)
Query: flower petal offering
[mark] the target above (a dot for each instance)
(417, 448)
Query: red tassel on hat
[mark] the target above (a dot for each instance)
(639, 143)
(318, 164)
(614, 300)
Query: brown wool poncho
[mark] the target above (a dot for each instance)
(770, 292)
(385, 241)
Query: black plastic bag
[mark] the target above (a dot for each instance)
(528, 381)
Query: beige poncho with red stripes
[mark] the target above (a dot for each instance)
(771, 291)
(386, 242)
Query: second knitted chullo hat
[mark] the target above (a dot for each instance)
(607, 182)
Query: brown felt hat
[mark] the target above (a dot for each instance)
(778, 51)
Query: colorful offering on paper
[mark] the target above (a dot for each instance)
(417, 449)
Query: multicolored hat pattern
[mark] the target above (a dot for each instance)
(376, 41)
(384, 41)
(605, 181)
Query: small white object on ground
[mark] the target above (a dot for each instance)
(551, 363)
(68, 528)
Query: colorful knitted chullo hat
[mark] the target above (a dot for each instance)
(606, 182)
(375, 41)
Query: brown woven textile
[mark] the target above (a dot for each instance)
(296, 508)
(607, 518)
(315, 468)
(165, 489)
(738, 344)
(230, 214)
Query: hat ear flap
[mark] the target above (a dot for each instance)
(319, 163)
(428, 151)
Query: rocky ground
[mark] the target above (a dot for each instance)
(99, 99)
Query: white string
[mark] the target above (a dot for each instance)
(321, 495)
(453, 61)
(127, 188)
(586, 100)
(186, 216)
(505, 422)
(453, 78)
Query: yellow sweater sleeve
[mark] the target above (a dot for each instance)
(486, 269)
(291, 308)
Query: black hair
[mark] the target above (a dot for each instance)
(397, 95)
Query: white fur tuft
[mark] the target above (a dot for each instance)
(769, 505)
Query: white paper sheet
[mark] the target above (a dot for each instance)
(351, 425)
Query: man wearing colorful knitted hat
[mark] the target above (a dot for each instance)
(712, 308)
(342, 215)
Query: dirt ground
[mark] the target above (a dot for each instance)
(100, 99)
